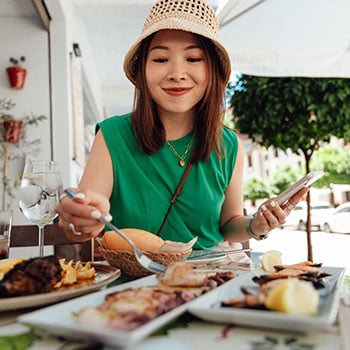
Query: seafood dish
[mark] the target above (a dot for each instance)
(254, 297)
(130, 308)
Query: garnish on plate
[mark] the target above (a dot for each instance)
(291, 289)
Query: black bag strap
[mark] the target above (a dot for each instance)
(176, 194)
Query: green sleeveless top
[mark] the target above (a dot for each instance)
(144, 185)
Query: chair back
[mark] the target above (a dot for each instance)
(28, 236)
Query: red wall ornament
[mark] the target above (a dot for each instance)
(16, 73)
(17, 77)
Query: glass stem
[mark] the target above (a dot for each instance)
(41, 241)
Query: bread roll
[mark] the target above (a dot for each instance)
(144, 240)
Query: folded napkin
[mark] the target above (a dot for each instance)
(241, 257)
(170, 246)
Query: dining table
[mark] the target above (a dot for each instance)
(187, 332)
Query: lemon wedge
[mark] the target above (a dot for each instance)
(294, 297)
(271, 259)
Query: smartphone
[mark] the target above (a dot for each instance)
(305, 181)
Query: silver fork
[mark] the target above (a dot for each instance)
(142, 259)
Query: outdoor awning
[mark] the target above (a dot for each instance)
(309, 38)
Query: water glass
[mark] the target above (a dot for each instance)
(39, 194)
(5, 231)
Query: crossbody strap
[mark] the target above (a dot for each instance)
(176, 194)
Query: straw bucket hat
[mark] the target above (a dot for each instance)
(194, 16)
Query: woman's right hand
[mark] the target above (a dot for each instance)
(77, 216)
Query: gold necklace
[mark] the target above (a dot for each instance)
(177, 155)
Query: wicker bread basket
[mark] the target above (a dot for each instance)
(127, 263)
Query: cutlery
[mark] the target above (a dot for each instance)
(214, 253)
(142, 259)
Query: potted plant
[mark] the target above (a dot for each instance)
(11, 128)
(16, 73)
(13, 143)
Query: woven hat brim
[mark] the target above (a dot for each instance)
(177, 24)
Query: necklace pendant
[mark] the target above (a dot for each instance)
(181, 162)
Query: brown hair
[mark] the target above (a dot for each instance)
(147, 126)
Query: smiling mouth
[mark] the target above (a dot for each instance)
(177, 91)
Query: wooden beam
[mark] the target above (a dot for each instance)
(43, 13)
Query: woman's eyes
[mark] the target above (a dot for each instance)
(190, 59)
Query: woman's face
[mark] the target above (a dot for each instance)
(176, 71)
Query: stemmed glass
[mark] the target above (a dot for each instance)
(39, 194)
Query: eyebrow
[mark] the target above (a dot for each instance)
(162, 47)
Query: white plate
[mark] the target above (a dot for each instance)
(209, 308)
(59, 319)
(105, 275)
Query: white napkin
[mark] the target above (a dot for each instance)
(233, 257)
(170, 246)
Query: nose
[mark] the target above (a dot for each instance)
(176, 72)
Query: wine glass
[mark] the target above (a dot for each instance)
(39, 194)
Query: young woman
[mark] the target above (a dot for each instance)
(180, 72)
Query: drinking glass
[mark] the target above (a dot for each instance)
(39, 194)
(5, 231)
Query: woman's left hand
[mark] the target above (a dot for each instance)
(271, 215)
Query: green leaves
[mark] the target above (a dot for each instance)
(335, 162)
(295, 113)
(255, 188)
(18, 341)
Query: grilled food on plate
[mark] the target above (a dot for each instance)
(130, 308)
(20, 277)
